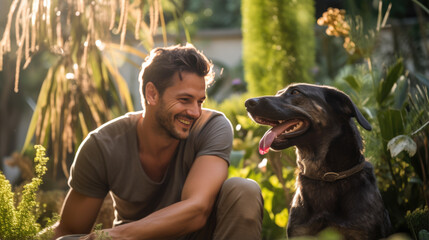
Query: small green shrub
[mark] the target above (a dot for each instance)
(418, 220)
(100, 234)
(19, 221)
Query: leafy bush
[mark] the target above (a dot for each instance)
(21, 222)
(388, 96)
(418, 220)
(278, 43)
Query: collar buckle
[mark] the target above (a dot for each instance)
(330, 176)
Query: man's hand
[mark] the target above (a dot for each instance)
(88, 237)
(97, 235)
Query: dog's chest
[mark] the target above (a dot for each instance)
(320, 197)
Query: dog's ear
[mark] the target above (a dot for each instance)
(340, 101)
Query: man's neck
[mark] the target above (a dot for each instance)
(153, 142)
(155, 150)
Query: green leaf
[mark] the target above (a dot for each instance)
(281, 218)
(93, 109)
(83, 125)
(401, 94)
(93, 61)
(275, 181)
(268, 199)
(393, 75)
(121, 83)
(353, 82)
(423, 235)
(41, 102)
(402, 143)
(391, 123)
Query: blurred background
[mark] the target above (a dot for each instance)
(69, 66)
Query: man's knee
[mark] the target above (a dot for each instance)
(243, 194)
(242, 186)
(239, 210)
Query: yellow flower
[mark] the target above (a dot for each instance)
(349, 45)
(334, 19)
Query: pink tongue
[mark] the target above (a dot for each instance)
(270, 135)
(266, 141)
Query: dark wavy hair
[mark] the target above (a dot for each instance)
(163, 62)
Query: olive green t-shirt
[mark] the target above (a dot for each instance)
(108, 161)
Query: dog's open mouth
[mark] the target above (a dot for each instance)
(281, 129)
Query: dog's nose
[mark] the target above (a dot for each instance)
(251, 102)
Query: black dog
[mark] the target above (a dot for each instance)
(335, 186)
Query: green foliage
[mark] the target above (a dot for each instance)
(21, 222)
(388, 98)
(378, 104)
(417, 221)
(100, 234)
(212, 14)
(278, 43)
(395, 109)
(7, 213)
(423, 235)
(386, 84)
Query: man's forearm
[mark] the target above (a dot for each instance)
(170, 222)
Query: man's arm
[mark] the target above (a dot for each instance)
(190, 214)
(78, 214)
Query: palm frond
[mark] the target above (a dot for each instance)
(84, 88)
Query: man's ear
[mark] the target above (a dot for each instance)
(152, 94)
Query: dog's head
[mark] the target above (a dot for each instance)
(302, 113)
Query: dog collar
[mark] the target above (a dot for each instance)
(334, 176)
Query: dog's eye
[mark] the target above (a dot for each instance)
(295, 92)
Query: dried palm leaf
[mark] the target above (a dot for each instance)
(84, 88)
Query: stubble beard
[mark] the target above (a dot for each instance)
(166, 121)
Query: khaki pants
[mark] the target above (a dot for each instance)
(237, 214)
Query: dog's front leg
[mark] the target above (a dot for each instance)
(304, 229)
(298, 221)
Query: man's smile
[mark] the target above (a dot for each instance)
(185, 120)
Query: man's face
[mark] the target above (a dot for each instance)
(180, 105)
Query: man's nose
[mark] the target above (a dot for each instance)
(195, 110)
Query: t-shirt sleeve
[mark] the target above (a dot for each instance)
(216, 138)
(88, 172)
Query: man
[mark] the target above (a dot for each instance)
(165, 167)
